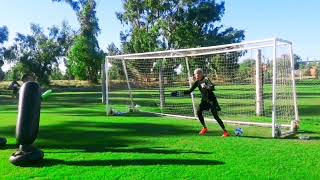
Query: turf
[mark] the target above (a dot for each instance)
(79, 141)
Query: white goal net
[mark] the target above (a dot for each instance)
(254, 83)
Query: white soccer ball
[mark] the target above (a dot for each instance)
(238, 132)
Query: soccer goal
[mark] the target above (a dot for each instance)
(254, 83)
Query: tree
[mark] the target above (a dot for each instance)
(171, 24)
(66, 39)
(116, 71)
(297, 60)
(56, 73)
(36, 52)
(75, 5)
(12, 74)
(85, 55)
(246, 70)
(174, 24)
(112, 49)
(167, 24)
(84, 59)
(4, 33)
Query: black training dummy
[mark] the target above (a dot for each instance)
(28, 125)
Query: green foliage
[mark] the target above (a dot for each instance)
(246, 69)
(84, 59)
(164, 24)
(85, 55)
(88, 20)
(13, 74)
(4, 33)
(116, 72)
(171, 24)
(66, 39)
(297, 60)
(36, 52)
(2, 74)
(112, 49)
(75, 5)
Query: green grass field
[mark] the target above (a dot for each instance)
(80, 142)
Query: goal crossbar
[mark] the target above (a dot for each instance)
(202, 50)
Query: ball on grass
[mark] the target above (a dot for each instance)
(238, 132)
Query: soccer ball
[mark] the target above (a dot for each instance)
(238, 132)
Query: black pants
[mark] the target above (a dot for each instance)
(214, 108)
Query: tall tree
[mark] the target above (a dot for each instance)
(35, 52)
(116, 71)
(297, 60)
(167, 24)
(173, 24)
(85, 56)
(4, 33)
(76, 5)
(66, 39)
(112, 49)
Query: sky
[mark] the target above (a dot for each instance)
(294, 20)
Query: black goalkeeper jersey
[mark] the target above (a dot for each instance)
(206, 88)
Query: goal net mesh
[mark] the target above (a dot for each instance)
(245, 77)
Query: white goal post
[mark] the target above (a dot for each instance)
(254, 83)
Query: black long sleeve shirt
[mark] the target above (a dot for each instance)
(206, 88)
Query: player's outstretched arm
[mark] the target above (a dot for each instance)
(195, 84)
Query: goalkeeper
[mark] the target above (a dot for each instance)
(208, 101)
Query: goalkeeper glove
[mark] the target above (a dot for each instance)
(176, 94)
(204, 86)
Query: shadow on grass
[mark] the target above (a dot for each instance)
(259, 137)
(154, 150)
(308, 132)
(105, 136)
(126, 162)
(143, 150)
(9, 146)
(309, 110)
(89, 113)
(308, 94)
(313, 136)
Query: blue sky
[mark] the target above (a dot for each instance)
(297, 21)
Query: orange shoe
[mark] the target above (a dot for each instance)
(203, 131)
(225, 134)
